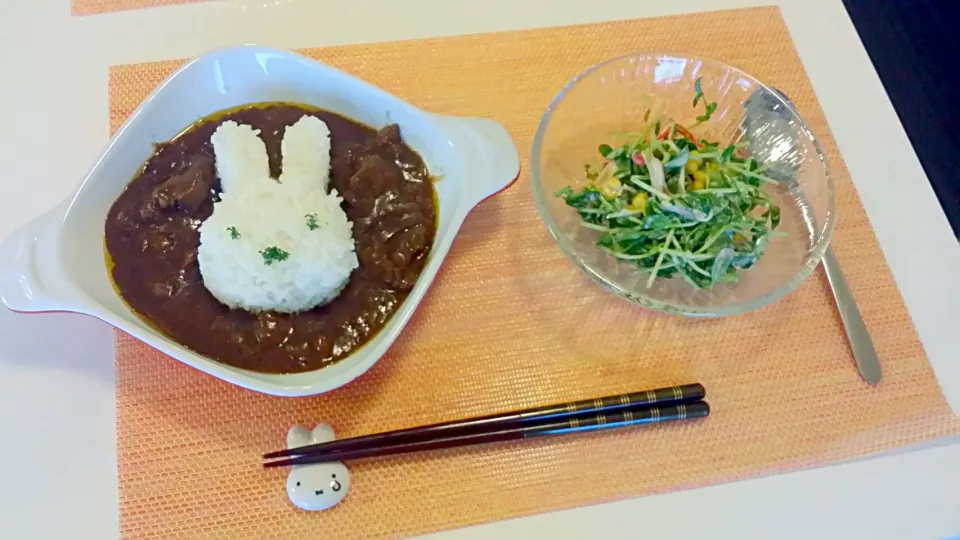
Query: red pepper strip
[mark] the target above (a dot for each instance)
(683, 131)
(663, 134)
(638, 159)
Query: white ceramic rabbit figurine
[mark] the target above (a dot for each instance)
(318, 486)
(275, 244)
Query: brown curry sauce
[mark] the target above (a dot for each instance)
(152, 239)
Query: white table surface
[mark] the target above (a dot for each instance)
(57, 412)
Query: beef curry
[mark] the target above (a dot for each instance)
(152, 240)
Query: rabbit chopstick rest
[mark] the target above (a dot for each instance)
(318, 486)
(280, 244)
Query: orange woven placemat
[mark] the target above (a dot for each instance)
(95, 7)
(510, 323)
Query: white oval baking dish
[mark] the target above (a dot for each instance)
(56, 262)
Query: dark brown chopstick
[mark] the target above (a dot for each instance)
(572, 424)
(648, 398)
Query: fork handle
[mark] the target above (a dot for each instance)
(864, 352)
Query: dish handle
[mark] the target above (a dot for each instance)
(487, 151)
(30, 266)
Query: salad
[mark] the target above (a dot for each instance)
(671, 203)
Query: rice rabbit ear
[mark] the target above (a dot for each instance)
(241, 157)
(306, 154)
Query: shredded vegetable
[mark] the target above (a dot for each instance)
(671, 204)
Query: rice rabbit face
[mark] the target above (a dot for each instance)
(281, 244)
(318, 486)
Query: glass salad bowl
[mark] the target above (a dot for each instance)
(687, 167)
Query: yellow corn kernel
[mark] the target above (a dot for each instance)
(610, 188)
(639, 202)
(698, 184)
(693, 165)
(700, 176)
(714, 166)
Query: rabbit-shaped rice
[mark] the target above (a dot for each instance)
(275, 245)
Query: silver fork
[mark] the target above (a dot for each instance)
(766, 124)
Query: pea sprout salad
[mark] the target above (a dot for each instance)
(670, 203)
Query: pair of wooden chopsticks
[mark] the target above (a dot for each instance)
(650, 406)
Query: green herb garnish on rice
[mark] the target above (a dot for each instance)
(274, 254)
